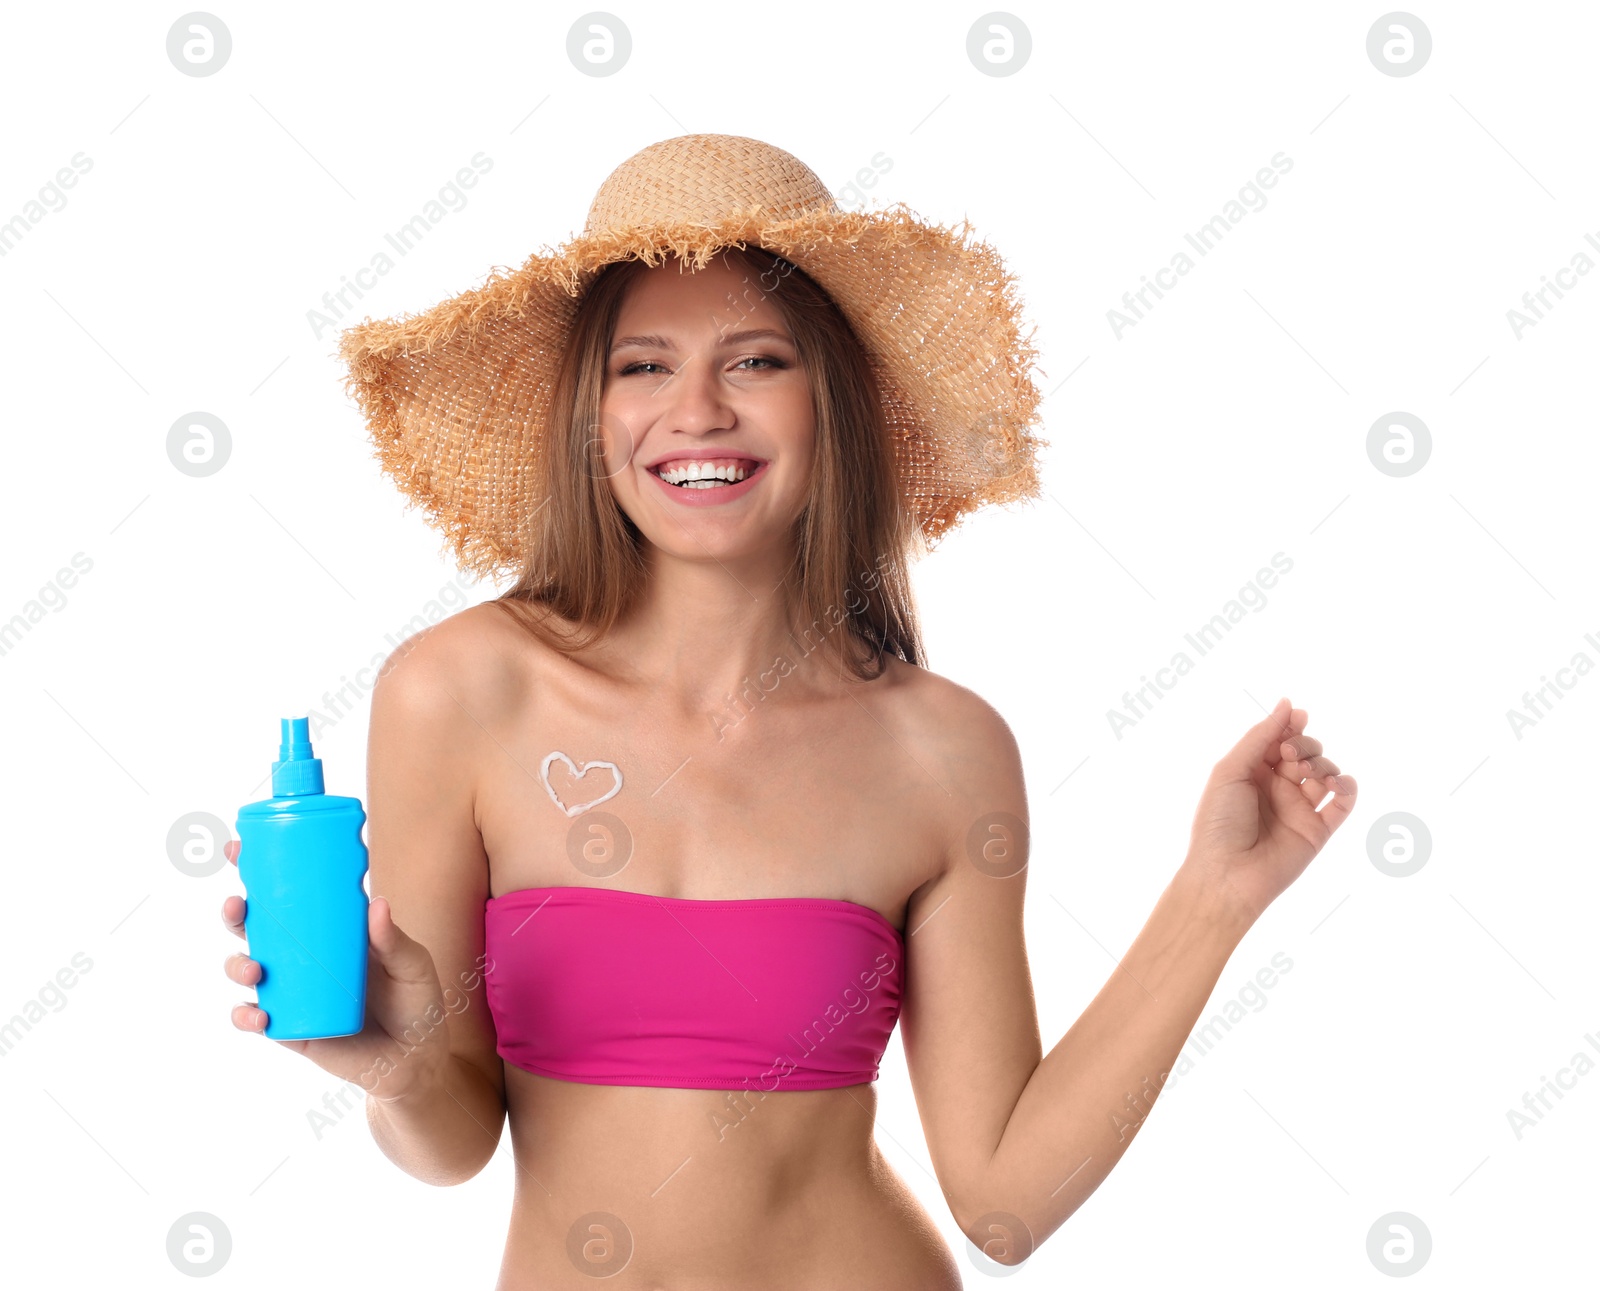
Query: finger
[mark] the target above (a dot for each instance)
(403, 958)
(1314, 789)
(1301, 746)
(242, 969)
(1308, 769)
(1259, 746)
(1340, 805)
(233, 915)
(247, 1017)
(230, 849)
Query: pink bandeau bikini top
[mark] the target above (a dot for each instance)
(606, 987)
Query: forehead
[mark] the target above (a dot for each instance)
(724, 294)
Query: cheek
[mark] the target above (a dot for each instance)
(799, 420)
(608, 444)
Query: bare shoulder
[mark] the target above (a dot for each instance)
(950, 719)
(439, 709)
(968, 748)
(473, 661)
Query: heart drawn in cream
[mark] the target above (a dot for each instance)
(578, 773)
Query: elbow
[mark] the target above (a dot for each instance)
(438, 1170)
(440, 1156)
(464, 1162)
(996, 1222)
(1000, 1235)
(452, 1177)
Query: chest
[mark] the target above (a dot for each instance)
(824, 799)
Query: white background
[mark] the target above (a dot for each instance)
(1229, 424)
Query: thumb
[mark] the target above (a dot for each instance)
(1259, 745)
(403, 957)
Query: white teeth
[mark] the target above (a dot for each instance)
(694, 474)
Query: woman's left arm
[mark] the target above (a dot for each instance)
(1020, 1142)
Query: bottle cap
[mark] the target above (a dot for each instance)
(297, 771)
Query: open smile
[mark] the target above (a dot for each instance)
(708, 481)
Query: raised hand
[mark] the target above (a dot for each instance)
(1258, 824)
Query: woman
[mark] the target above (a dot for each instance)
(665, 839)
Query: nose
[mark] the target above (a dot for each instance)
(692, 398)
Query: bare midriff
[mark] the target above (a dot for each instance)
(709, 1190)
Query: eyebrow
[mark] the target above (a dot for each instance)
(730, 338)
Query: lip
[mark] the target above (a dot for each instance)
(710, 497)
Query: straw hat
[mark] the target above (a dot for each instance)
(456, 397)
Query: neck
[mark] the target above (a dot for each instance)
(704, 629)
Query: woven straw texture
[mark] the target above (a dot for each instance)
(455, 398)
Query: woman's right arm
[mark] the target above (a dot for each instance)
(425, 1055)
(427, 861)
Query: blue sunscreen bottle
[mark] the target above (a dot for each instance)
(302, 860)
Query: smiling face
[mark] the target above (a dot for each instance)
(704, 382)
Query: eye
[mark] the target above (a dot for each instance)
(772, 361)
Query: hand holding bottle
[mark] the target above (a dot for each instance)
(397, 1049)
(318, 942)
